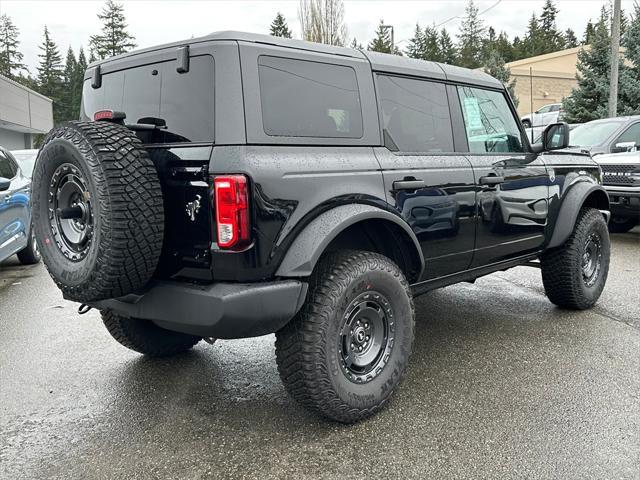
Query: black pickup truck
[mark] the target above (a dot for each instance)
(237, 185)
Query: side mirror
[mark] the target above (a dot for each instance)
(5, 183)
(624, 147)
(555, 136)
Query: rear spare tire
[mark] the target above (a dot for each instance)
(97, 210)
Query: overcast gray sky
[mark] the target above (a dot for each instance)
(154, 22)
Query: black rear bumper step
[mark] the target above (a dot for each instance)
(221, 310)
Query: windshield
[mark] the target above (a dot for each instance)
(591, 134)
(26, 160)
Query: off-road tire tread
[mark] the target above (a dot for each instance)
(132, 219)
(561, 266)
(144, 337)
(299, 342)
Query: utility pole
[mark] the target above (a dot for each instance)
(615, 59)
(393, 45)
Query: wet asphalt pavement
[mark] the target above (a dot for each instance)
(501, 385)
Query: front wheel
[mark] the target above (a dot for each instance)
(574, 274)
(346, 351)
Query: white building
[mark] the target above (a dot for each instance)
(23, 113)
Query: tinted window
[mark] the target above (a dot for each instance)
(489, 123)
(7, 168)
(183, 100)
(415, 114)
(309, 99)
(632, 134)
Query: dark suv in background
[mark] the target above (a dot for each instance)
(237, 185)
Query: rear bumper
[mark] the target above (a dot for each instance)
(222, 310)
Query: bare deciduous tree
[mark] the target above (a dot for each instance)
(322, 21)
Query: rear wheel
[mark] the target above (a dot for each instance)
(145, 337)
(346, 351)
(526, 124)
(574, 274)
(621, 224)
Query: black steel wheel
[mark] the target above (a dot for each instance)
(346, 351)
(71, 215)
(592, 259)
(366, 337)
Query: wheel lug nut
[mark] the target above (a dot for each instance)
(352, 345)
(367, 338)
(359, 349)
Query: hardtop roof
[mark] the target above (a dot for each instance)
(382, 62)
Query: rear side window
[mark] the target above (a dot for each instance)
(415, 114)
(309, 99)
(489, 122)
(185, 101)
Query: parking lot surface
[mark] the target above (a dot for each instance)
(501, 384)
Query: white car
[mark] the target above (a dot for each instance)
(543, 116)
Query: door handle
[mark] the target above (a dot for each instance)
(491, 180)
(409, 184)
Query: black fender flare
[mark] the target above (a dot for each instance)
(571, 204)
(308, 246)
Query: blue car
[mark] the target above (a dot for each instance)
(16, 234)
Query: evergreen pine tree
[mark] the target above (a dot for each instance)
(416, 44)
(470, 37)
(50, 75)
(532, 43)
(495, 66)
(355, 45)
(631, 42)
(552, 38)
(589, 33)
(382, 41)
(519, 48)
(67, 94)
(589, 100)
(11, 65)
(570, 39)
(78, 83)
(448, 52)
(114, 39)
(431, 44)
(279, 27)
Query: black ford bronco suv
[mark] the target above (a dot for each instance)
(237, 185)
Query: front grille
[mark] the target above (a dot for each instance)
(617, 174)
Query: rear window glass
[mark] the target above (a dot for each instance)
(415, 114)
(309, 99)
(185, 101)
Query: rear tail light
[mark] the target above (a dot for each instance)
(232, 211)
